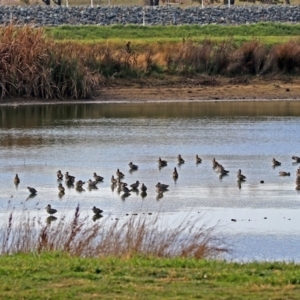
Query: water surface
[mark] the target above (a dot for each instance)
(38, 140)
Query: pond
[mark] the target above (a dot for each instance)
(260, 220)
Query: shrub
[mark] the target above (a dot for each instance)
(285, 58)
(249, 58)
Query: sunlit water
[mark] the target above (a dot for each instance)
(36, 141)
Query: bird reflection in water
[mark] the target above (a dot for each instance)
(136, 191)
(113, 187)
(79, 189)
(91, 188)
(143, 195)
(125, 195)
(70, 184)
(159, 196)
(239, 184)
(31, 196)
(97, 217)
(50, 219)
(132, 171)
(60, 195)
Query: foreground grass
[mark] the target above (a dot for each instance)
(269, 33)
(58, 276)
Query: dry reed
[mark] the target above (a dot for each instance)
(249, 58)
(285, 58)
(138, 235)
(32, 65)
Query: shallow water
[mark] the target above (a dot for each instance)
(38, 140)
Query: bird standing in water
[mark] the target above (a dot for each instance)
(61, 188)
(97, 211)
(59, 175)
(133, 166)
(113, 180)
(240, 176)
(143, 188)
(135, 185)
(276, 162)
(162, 163)
(198, 159)
(119, 174)
(97, 177)
(175, 173)
(49, 210)
(32, 190)
(180, 159)
(17, 179)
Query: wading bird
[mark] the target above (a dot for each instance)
(49, 210)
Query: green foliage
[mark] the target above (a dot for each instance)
(174, 33)
(54, 275)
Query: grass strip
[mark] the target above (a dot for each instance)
(269, 32)
(55, 275)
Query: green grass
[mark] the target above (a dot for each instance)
(58, 276)
(269, 33)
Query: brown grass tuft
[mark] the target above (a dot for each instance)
(248, 59)
(138, 235)
(33, 66)
(285, 58)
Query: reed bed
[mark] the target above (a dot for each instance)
(33, 65)
(189, 58)
(229, 59)
(138, 235)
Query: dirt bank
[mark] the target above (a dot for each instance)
(193, 90)
(201, 89)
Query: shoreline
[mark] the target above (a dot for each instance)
(189, 91)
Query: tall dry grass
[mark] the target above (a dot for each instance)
(285, 58)
(250, 58)
(33, 66)
(138, 235)
(189, 58)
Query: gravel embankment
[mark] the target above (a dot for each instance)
(161, 15)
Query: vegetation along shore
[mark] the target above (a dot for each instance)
(55, 275)
(126, 259)
(133, 258)
(61, 63)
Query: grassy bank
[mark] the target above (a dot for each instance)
(130, 258)
(70, 258)
(268, 33)
(54, 275)
(35, 65)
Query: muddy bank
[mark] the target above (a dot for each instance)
(197, 90)
(189, 90)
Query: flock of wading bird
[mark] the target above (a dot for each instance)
(135, 187)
